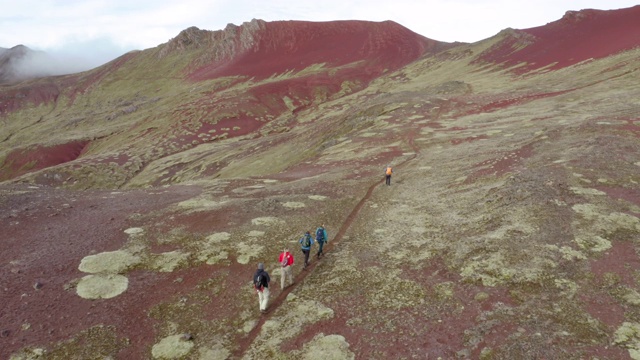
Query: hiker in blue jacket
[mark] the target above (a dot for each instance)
(321, 238)
(305, 245)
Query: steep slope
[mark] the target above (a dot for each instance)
(261, 50)
(511, 228)
(208, 86)
(578, 36)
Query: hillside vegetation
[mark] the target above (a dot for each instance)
(137, 198)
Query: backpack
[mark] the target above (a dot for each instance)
(258, 283)
(306, 242)
(320, 234)
(285, 260)
(389, 172)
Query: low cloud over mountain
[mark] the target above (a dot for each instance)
(22, 63)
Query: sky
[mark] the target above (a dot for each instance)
(89, 33)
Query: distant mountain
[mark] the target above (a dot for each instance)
(21, 63)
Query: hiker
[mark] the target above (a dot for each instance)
(321, 238)
(286, 260)
(261, 282)
(388, 173)
(305, 245)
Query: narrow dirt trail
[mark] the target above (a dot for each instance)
(276, 302)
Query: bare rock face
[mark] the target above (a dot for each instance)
(216, 45)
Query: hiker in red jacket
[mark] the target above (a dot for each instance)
(286, 261)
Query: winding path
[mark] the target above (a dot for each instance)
(276, 302)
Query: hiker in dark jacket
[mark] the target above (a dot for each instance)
(321, 238)
(261, 282)
(305, 245)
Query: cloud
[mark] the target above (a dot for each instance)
(68, 59)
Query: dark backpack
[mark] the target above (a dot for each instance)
(258, 282)
(320, 234)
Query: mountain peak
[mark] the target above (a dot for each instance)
(576, 37)
(262, 49)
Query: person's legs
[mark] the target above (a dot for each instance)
(260, 298)
(265, 299)
(388, 180)
(306, 257)
(289, 274)
(283, 276)
(320, 245)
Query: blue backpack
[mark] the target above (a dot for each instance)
(306, 241)
(320, 234)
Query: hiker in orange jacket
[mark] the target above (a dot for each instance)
(286, 261)
(388, 171)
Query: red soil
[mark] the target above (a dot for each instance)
(22, 161)
(29, 94)
(503, 164)
(578, 36)
(46, 233)
(294, 45)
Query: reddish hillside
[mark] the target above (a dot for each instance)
(266, 48)
(578, 36)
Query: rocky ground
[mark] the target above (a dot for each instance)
(510, 230)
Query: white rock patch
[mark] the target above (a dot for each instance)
(247, 251)
(327, 347)
(583, 191)
(592, 242)
(168, 261)
(293, 204)
(134, 231)
(218, 237)
(317, 197)
(102, 286)
(300, 313)
(171, 347)
(266, 220)
(112, 262)
(218, 352)
(628, 335)
(212, 259)
(200, 204)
